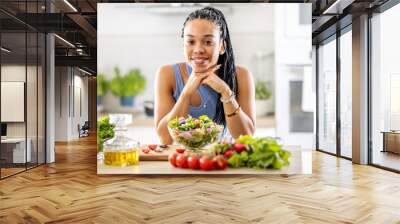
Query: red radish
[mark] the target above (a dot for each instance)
(220, 162)
(172, 158)
(228, 153)
(239, 147)
(194, 162)
(180, 150)
(181, 161)
(152, 146)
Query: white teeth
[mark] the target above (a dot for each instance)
(199, 60)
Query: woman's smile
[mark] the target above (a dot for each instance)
(200, 61)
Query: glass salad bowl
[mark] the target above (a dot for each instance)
(194, 133)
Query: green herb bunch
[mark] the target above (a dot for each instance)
(105, 131)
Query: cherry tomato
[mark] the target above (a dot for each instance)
(146, 150)
(180, 150)
(172, 159)
(181, 161)
(194, 162)
(206, 163)
(152, 146)
(239, 147)
(220, 162)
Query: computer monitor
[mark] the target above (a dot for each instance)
(3, 129)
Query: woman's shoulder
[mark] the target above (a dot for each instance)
(242, 73)
(168, 69)
(166, 74)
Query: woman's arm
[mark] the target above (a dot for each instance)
(165, 107)
(242, 123)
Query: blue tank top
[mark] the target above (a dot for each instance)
(209, 99)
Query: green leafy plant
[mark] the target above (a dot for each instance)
(105, 131)
(102, 85)
(130, 84)
(263, 91)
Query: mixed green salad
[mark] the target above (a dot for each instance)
(247, 151)
(194, 132)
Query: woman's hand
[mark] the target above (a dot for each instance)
(216, 83)
(196, 79)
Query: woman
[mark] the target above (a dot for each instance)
(208, 82)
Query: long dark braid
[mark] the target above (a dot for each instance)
(227, 71)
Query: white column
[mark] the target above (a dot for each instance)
(50, 100)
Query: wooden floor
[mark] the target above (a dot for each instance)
(5, 172)
(387, 159)
(10, 171)
(70, 191)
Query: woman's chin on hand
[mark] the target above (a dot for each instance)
(200, 68)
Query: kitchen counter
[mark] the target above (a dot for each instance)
(300, 163)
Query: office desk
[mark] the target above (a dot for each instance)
(13, 150)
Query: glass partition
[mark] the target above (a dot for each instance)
(22, 88)
(385, 89)
(41, 86)
(13, 86)
(346, 94)
(327, 96)
(31, 97)
(31, 87)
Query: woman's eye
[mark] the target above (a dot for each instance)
(208, 42)
(191, 42)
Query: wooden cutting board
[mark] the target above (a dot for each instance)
(157, 156)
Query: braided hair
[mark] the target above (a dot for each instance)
(227, 71)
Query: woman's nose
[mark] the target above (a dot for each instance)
(198, 48)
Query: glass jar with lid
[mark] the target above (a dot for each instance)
(120, 150)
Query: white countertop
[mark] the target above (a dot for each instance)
(300, 163)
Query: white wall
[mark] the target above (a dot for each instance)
(67, 115)
(15, 73)
(79, 117)
(61, 103)
(146, 40)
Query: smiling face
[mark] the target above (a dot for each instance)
(202, 44)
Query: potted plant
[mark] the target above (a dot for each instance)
(102, 87)
(263, 98)
(127, 86)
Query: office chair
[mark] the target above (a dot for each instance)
(84, 130)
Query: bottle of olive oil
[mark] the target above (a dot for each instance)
(121, 151)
